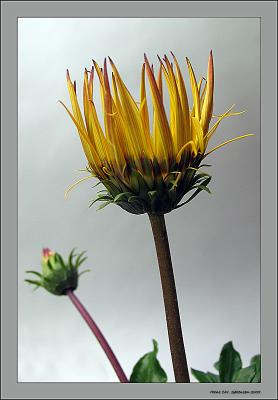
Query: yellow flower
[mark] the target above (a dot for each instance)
(147, 167)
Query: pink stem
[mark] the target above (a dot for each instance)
(101, 339)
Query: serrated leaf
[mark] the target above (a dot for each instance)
(229, 363)
(245, 375)
(205, 377)
(148, 369)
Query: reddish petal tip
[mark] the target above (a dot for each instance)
(46, 252)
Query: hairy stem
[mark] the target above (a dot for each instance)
(170, 298)
(99, 336)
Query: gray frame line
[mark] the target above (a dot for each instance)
(11, 11)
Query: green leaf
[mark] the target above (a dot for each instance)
(205, 377)
(216, 365)
(213, 377)
(229, 363)
(245, 375)
(148, 368)
(256, 361)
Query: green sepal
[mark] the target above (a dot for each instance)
(104, 205)
(122, 196)
(157, 188)
(33, 282)
(35, 273)
(199, 189)
(148, 368)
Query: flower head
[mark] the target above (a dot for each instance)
(58, 275)
(147, 167)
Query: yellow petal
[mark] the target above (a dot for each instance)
(89, 150)
(176, 115)
(197, 134)
(209, 134)
(208, 100)
(195, 91)
(183, 98)
(188, 144)
(143, 104)
(166, 143)
(229, 141)
(131, 117)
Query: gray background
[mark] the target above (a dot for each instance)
(214, 240)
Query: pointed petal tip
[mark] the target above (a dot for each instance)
(160, 60)
(146, 58)
(173, 55)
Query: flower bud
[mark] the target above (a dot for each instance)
(58, 276)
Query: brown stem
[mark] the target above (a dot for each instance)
(170, 298)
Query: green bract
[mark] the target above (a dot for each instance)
(155, 192)
(58, 276)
